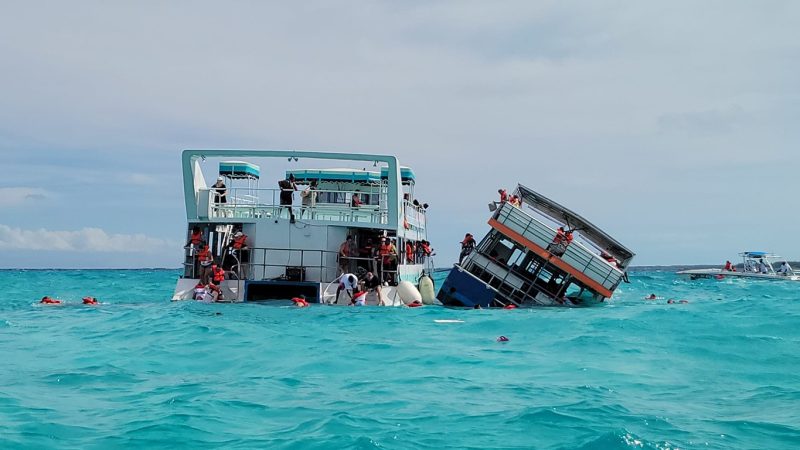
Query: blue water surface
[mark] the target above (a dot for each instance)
(139, 371)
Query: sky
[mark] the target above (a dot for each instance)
(672, 125)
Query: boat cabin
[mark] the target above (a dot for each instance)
(537, 253)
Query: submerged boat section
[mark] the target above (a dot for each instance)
(537, 253)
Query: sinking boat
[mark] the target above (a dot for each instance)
(525, 259)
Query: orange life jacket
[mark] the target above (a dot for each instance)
(560, 236)
(385, 249)
(219, 275)
(239, 242)
(409, 252)
(196, 238)
(204, 255)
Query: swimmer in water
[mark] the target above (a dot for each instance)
(650, 297)
(300, 302)
(90, 301)
(50, 301)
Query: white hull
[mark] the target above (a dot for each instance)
(722, 274)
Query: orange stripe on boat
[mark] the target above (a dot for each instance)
(552, 259)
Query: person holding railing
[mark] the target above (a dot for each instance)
(309, 199)
(287, 193)
(559, 244)
(467, 246)
(388, 255)
(205, 259)
(344, 254)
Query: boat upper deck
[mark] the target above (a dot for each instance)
(577, 259)
(384, 193)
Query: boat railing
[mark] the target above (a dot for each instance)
(248, 203)
(270, 263)
(576, 254)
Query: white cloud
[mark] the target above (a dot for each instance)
(84, 240)
(11, 196)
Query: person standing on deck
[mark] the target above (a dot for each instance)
(344, 254)
(287, 195)
(309, 199)
(205, 259)
(220, 191)
(467, 245)
(503, 195)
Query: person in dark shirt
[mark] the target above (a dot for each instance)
(287, 194)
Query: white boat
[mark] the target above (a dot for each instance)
(523, 260)
(755, 265)
(293, 250)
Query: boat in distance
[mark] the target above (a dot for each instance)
(755, 265)
(297, 237)
(537, 253)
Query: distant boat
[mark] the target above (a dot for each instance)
(525, 261)
(756, 265)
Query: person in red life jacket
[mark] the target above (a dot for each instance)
(568, 238)
(239, 241)
(195, 237)
(355, 201)
(728, 266)
(409, 252)
(300, 301)
(514, 201)
(503, 195)
(558, 247)
(217, 274)
(205, 259)
(50, 301)
(359, 298)
(90, 301)
(467, 246)
(216, 292)
(510, 306)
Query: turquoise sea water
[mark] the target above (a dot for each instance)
(722, 371)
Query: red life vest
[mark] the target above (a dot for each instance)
(50, 301)
(503, 196)
(196, 238)
(568, 237)
(560, 236)
(204, 255)
(239, 242)
(409, 252)
(219, 275)
(427, 249)
(385, 249)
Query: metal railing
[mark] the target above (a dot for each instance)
(576, 255)
(327, 205)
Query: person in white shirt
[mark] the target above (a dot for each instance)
(347, 283)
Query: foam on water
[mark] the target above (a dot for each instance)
(139, 371)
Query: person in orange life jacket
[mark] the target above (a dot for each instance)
(205, 259)
(50, 301)
(728, 266)
(216, 292)
(426, 248)
(300, 301)
(503, 195)
(514, 201)
(359, 298)
(217, 274)
(195, 238)
(557, 247)
(90, 301)
(239, 241)
(467, 245)
(409, 252)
